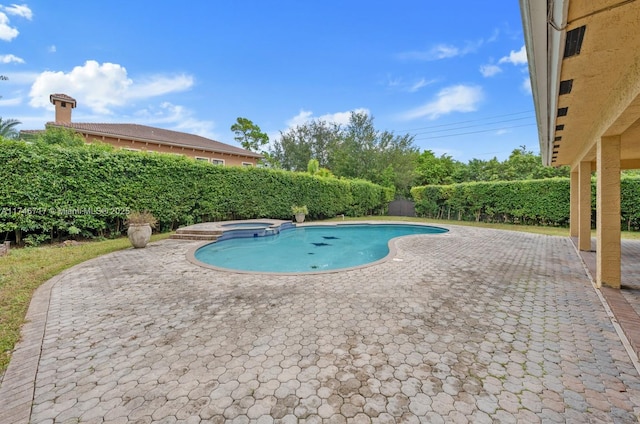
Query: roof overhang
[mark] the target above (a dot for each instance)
(543, 23)
(63, 98)
(101, 134)
(582, 94)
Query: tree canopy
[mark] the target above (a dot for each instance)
(359, 150)
(354, 150)
(249, 134)
(8, 128)
(61, 136)
(522, 164)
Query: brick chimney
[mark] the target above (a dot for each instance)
(63, 104)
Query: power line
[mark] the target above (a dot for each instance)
(476, 132)
(466, 122)
(474, 126)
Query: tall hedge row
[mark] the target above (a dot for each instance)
(538, 202)
(49, 190)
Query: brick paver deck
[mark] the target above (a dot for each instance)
(624, 302)
(474, 326)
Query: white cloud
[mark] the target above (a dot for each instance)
(420, 84)
(516, 57)
(15, 101)
(158, 85)
(19, 10)
(177, 118)
(101, 87)
(300, 118)
(443, 51)
(494, 36)
(52, 49)
(409, 86)
(394, 82)
(446, 51)
(7, 32)
(490, 70)
(341, 118)
(526, 85)
(457, 98)
(437, 52)
(304, 116)
(9, 58)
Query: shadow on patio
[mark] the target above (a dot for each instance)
(624, 303)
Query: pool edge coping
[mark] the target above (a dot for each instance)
(190, 255)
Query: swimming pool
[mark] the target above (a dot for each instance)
(309, 249)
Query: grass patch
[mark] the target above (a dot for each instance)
(24, 270)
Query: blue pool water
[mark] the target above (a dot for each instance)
(310, 248)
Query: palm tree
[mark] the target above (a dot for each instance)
(8, 128)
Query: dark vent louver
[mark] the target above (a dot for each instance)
(559, 127)
(557, 138)
(565, 86)
(563, 111)
(574, 41)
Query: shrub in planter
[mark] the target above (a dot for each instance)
(299, 212)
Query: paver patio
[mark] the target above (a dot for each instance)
(474, 326)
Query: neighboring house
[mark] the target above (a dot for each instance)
(151, 139)
(584, 61)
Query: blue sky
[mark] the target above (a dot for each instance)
(453, 74)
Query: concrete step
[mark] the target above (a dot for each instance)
(190, 236)
(198, 232)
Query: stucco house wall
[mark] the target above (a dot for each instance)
(150, 139)
(216, 158)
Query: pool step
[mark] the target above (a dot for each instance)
(187, 234)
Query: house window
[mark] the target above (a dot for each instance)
(63, 104)
(202, 159)
(247, 164)
(217, 162)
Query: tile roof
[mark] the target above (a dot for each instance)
(156, 135)
(64, 98)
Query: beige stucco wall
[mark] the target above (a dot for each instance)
(606, 82)
(229, 159)
(63, 113)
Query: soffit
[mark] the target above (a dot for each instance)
(606, 81)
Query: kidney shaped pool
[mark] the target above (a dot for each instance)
(309, 249)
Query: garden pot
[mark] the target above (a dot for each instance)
(139, 234)
(299, 217)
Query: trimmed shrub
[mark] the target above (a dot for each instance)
(534, 202)
(51, 191)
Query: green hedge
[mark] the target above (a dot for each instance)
(49, 191)
(536, 202)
